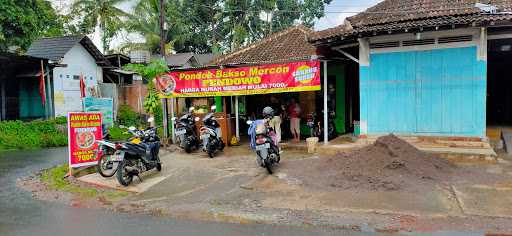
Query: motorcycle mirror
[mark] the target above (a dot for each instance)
(191, 109)
(214, 108)
(249, 122)
(196, 119)
(151, 119)
(131, 128)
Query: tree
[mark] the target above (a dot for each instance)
(202, 26)
(246, 21)
(22, 21)
(104, 14)
(145, 21)
(149, 72)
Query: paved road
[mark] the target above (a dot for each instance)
(20, 214)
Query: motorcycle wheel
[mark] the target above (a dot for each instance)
(210, 154)
(159, 166)
(187, 148)
(102, 169)
(268, 166)
(222, 145)
(123, 177)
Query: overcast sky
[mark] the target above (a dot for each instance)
(336, 12)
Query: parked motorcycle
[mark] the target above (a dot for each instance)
(317, 127)
(263, 142)
(137, 158)
(212, 141)
(185, 131)
(106, 167)
(314, 126)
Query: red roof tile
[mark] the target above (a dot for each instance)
(400, 14)
(287, 45)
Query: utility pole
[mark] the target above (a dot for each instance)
(162, 52)
(162, 28)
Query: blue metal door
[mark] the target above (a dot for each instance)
(431, 92)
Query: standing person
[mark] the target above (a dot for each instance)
(276, 121)
(294, 111)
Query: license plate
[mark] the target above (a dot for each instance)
(205, 136)
(180, 131)
(118, 156)
(263, 146)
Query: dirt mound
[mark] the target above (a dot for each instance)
(389, 164)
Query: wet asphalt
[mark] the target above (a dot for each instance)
(20, 214)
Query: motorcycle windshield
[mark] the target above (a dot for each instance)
(252, 132)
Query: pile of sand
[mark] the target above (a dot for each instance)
(389, 164)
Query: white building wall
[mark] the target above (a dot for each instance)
(67, 80)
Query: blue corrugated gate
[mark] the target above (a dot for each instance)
(433, 92)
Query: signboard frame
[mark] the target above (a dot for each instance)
(93, 126)
(296, 76)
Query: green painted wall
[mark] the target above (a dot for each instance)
(30, 100)
(337, 69)
(218, 104)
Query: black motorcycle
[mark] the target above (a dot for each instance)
(136, 158)
(262, 142)
(317, 127)
(210, 135)
(185, 131)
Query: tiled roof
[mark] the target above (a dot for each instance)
(55, 48)
(287, 45)
(403, 14)
(205, 59)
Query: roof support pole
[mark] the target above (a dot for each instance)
(50, 92)
(326, 109)
(347, 55)
(165, 119)
(173, 137)
(237, 119)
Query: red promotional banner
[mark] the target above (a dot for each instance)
(261, 79)
(83, 131)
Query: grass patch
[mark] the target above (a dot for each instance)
(54, 178)
(32, 135)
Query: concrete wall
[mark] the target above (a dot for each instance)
(67, 83)
(437, 90)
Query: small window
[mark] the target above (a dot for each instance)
(418, 42)
(385, 45)
(60, 76)
(76, 77)
(67, 76)
(91, 77)
(464, 38)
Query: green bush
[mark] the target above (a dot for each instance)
(127, 116)
(30, 135)
(61, 120)
(119, 134)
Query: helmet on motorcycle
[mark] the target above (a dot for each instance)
(268, 112)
